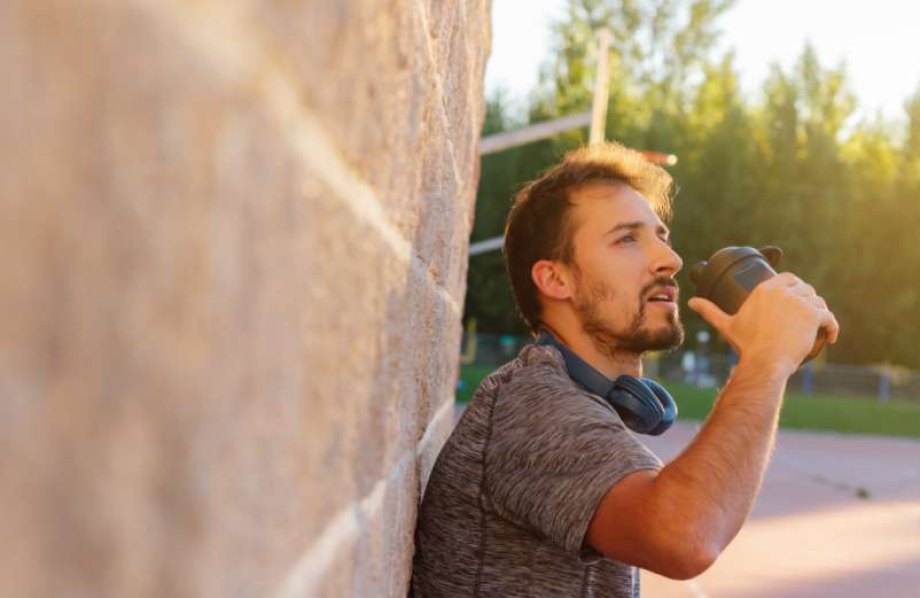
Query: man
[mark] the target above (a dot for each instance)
(542, 490)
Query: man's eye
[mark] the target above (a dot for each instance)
(627, 238)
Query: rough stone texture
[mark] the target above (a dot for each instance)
(234, 256)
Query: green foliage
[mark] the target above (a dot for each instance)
(849, 415)
(489, 297)
(791, 167)
(818, 412)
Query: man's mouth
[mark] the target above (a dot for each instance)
(664, 295)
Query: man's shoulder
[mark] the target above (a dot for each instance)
(533, 382)
(535, 364)
(536, 386)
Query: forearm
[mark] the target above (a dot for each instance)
(714, 482)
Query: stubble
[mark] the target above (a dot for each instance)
(636, 337)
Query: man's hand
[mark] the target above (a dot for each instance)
(778, 322)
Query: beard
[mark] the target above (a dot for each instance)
(636, 336)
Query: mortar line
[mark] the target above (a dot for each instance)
(319, 557)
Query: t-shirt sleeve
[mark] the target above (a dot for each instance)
(554, 451)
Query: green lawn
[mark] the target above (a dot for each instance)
(807, 412)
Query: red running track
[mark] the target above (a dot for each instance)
(837, 517)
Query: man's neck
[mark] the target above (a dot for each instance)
(611, 362)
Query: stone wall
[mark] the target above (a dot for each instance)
(234, 257)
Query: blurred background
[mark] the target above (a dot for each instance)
(792, 124)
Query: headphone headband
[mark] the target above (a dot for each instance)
(643, 404)
(579, 369)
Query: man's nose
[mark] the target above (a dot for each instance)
(668, 260)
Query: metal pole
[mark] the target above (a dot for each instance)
(601, 89)
(486, 246)
(541, 130)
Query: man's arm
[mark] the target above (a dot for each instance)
(675, 522)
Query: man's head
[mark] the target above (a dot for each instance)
(586, 244)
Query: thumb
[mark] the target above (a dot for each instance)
(711, 313)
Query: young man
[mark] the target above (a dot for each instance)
(542, 490)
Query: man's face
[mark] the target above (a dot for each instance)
(625, 293)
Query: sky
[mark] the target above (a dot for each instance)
(880, 41)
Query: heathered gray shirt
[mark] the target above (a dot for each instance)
(514, 489)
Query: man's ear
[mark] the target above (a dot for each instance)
(552, 278)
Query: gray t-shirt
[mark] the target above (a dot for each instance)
(514, 489)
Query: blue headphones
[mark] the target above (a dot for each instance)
(643, 404)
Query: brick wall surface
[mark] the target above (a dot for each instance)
(234, 256)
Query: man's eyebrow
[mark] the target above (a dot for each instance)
(637, 225)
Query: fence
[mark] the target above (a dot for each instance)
(711, 370)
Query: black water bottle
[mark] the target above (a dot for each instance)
(732, 273)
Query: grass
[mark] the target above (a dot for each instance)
(847, 415)
(470, 377)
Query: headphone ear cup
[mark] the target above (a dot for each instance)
(638, 405)
(667, 403)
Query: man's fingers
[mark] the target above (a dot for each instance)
(830, 325)
(804, 289)
(817, 301)
(711, 313)
(786, 279)
(795, 284)
(828, 319)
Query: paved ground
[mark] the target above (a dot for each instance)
(811, 534)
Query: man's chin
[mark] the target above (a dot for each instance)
(661, 339)
(642, 336)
